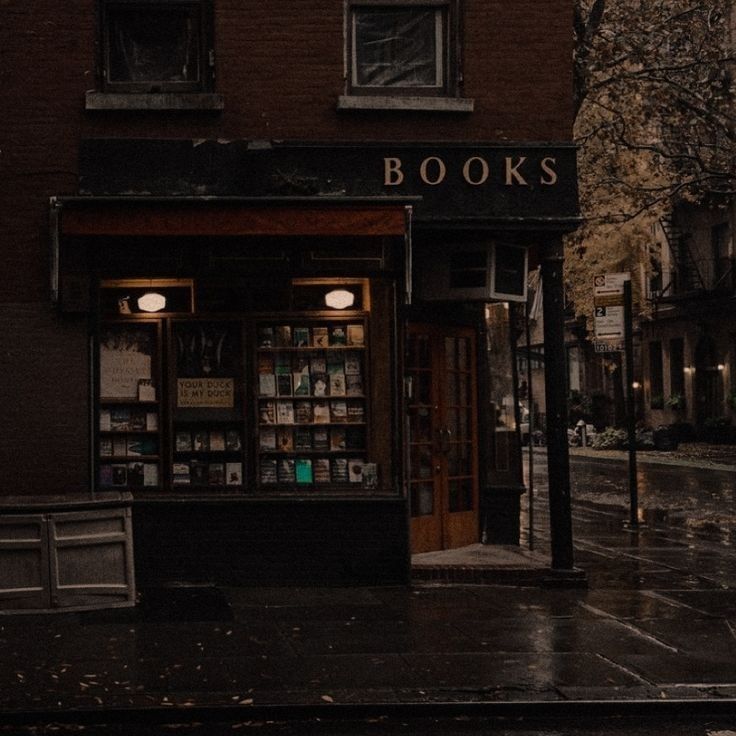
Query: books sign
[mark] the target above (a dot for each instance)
(608, 310)
(205, 392)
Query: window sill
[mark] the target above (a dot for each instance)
(154, 101)
(400, 102)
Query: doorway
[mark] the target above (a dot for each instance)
(442, 435)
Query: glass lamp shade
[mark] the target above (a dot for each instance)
(151, 301)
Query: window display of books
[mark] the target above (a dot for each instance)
(311, 387)
(207, 454)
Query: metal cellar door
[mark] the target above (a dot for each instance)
(443, 475)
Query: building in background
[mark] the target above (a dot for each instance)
(249, 260)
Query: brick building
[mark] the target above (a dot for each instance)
(245, 167)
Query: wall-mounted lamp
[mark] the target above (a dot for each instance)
(721, 367)
(339, 299)
(635, 385)
(688, 369)
(151, 301)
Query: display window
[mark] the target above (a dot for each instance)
(276, 402)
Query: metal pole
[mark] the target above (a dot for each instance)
(630, 406)
(558, 452)
(530, 398)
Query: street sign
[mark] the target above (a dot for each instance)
(608, 310)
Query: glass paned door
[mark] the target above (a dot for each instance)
(442, 430)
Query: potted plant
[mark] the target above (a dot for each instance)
(676, 402)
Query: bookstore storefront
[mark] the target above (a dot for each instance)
(281, 400)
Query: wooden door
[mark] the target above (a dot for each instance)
(442, 435)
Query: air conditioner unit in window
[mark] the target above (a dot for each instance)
(472, 272)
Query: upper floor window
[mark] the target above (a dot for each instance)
(402, 47)
(156, 46)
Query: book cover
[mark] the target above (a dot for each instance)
(137, 422)
(180, 474)
(216, 474)
(267, 412)
(120, 446)
(355, 470)
(146, 390)
(285, 412)
(266, 384)
(283, 364)
(320, 337)
(353, 363)
(356, 335)
(335, 362)
(268, 470)
(265, 337)
(151, 421)
(183, 441)
(105, 475)
(284, 439)
(120, 419)
(267, 438)
(354, 384)
(302, 439)
(319, 384)
(105, 420)
(283, 384)
(199, 473)
(150, 474)
(282, 335)
(217, 440)
(337, 384)
(301, 384)
(321, 469)
(301, 337)
(318, 364)
(303, 412)
(200, 441)
(233, 474)
(355, 411)
(266, 363)
(321, 412)
(233, 442)
(337, 335)
(285, 470)
(140, 445)
(119, 474)
(105, 446)
(339, 470)
(370, 476)
(321, 438)
(135, 475)
(303, 470)
(338, 411)
(337, 438)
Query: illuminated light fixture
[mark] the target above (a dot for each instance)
(339, 299)
(636, 384)
(721, 367)
(151, 301)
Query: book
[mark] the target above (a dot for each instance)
(321, 411)
(303, 412)
(199, 473)
(217, 440)
(119, 474)
(105, 420)
(285, 470)
(151, 421)
(338, 411)
(180, 474)
(150, 474)
(265, 337)
(337, 335)
(319, 384)
(120, 419)
(355, 335)
(339, 468)
(146, 390)
(120, 446)
(321, 470)
(301, 384)
(200, 441)
(335, 362)
(283, 364)
(337, 438)
(266, 363)
(318, 364)
(352, 363)
(105, 446)
(337, 384)
(320, 337)
(268, 470)
(267, 438)
(354, 384)
(284, 439)
(266, 384)
(282, 334)
(105, 475)
(283, 384)
(321, 438)
(183, 441)
(141, 445)
(216, 474)
(302, 439)
(301, 337)
(370, 476)
(233, 474)
(303, 470)
(233, 442)
(355, 470)
(285, 412)
(137, 421)
(135, 475)
(355, 411)
(267, 412)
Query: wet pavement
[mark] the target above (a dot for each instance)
(655, 625)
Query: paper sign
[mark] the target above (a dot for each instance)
(205, 392)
